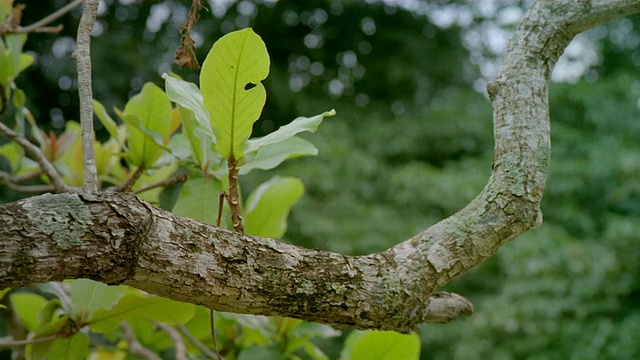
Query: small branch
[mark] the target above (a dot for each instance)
(40, 26)
(135, 347)
(197, 343)
(83, 59)
(16, 343)
(36, 154)
(168, 182)
(181, 350)
(127, 185)
(234, 196)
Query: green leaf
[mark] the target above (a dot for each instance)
(107, 121)
(5, 9)
(231, 88)
(198, 199)
(28, 306)
(14, 153)
(198, 142)
(188, 96)
(273, 155)
(139, 306)
(267, 208)
(40, 350)
(75, 347)
(381, 345)
(288, 131)
(148, 119)
(87, 296)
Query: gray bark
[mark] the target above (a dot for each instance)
(117, 238)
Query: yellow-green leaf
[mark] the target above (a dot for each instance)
(231, 88)
(148, 112)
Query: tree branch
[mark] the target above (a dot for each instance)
(117, 238)
(83, 59)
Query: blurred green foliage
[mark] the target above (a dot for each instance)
(412, 143)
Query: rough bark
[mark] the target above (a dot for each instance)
(117, 238)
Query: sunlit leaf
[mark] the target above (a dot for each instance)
(28, 306)
(268, 206)
(148, 119)
(231, 88)
(381, 345)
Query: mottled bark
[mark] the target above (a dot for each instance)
(116, 238)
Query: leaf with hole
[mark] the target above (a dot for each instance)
(231, 87)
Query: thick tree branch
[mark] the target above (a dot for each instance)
(116, 238)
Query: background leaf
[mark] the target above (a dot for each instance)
(267, 208)
(87, 296)
(134, 306)
(198, 199)
(151, 110)
(231, 88)
(381, 345)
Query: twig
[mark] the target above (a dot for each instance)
(39, 26)
(13, 324)
(11, 344)
(125, 186)
(197, 343)
(135, 347)
(167, 182)
(36, 154)
(178, 343)
(83, 60)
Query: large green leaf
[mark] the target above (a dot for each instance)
(231, 88)
(150, 110)
(267, 208)
(381, 345)
(138, 306)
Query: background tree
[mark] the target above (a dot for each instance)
(580, 220)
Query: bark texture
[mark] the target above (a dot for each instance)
(117, 238)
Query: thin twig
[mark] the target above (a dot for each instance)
(178, 342)
(197, 343)
(39, 26)
(127, 185)
(10, 344)
(174, 180)
(83, 60)
(36, 154)
(135, 347)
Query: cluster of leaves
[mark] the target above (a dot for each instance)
(153, 141)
